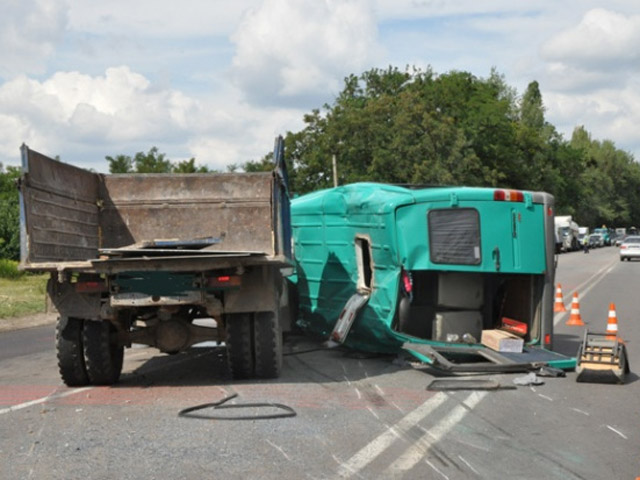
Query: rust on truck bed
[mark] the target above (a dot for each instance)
(80, 220)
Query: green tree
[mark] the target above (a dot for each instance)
(152, 162)
(189, 166)
(120, 164)
(9, 213)
(415, 126)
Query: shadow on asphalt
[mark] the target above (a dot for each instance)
(566, 344)
(305, 361)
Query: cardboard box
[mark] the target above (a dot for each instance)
(501, 341)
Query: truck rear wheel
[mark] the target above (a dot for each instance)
(254, 345)
(267, 345)
(103, 357)
(239, 344)
(70, 353)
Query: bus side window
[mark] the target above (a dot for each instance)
(364, 262)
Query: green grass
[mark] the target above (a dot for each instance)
(9, 269)
(22, 295)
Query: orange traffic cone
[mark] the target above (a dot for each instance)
(575, 320)
(612, 323)
(559, 305)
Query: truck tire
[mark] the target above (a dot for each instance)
(70, 353)
(239, 344)
(267, 345)
(102, 356)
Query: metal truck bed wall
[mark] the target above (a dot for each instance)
(69, 214)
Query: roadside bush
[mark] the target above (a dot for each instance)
(9, 269)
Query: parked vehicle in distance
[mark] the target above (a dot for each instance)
(596, 240)
(566, 234)
(620, 239)
(630, 248)
(605, 233)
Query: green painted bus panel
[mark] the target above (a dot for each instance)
(393, 224)
(155, 283)
(503, 226)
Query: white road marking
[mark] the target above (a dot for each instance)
(438, 471)
(396, 406)
(373, 412)
(469, 465)
(580, 411)
(617, 431)
(38, 401)
(545, 397)
(280, 449)
(433, 435)
(378, 445)
(54, 396)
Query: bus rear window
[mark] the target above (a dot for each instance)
(454, 236)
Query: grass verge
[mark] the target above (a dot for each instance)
(23, 295)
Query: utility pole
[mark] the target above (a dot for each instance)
(335, 170)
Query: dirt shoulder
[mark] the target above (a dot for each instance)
(27, 321)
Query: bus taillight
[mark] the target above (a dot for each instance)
(508, 196)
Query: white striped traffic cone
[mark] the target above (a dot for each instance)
(575, 320)
(559, 305)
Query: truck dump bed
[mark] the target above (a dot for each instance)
(74, 219)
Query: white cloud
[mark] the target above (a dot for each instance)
(602, 40)
(291, 50)
(83, 118)
(163, 19)
(85, 79)
(29, 33)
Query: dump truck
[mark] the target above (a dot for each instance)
(164, 260)
(439, 273)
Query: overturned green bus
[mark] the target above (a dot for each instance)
(428, 270)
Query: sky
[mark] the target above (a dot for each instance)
(217, 80)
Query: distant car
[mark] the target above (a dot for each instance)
(630, 248)
(620, 239)
(596, 240)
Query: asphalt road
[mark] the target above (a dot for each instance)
(357, 416)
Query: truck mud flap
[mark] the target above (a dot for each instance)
(478, 359)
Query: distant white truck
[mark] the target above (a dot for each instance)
(567, 232)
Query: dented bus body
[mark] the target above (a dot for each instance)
(432, 268)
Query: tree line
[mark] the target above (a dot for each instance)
(414, 126)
